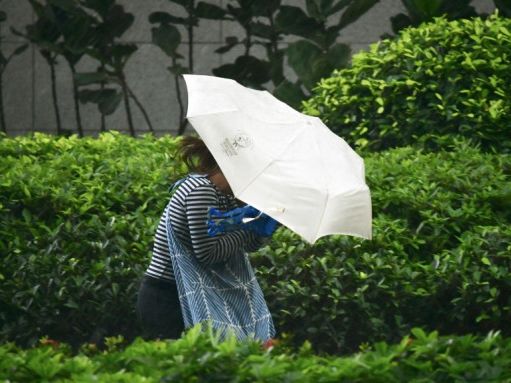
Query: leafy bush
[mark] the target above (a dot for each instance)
(433, 82)
(440, 256)
(200, 357)
(78, 217)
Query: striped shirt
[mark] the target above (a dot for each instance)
(188, 209)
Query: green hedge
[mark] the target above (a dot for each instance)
(200, 357)
(440, 257)
(78, 217)
(433, 82)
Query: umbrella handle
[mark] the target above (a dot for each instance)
(278, 210)
(248, 219)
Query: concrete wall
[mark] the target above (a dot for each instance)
(27, 92)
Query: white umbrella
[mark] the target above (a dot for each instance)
(282, 162)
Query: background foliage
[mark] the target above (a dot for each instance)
(283, 48)
(420, 11)
(432, 83)
(78, 218)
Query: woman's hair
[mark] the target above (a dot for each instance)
(196, 155)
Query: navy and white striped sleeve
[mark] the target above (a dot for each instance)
(209, 249)
(255, 242)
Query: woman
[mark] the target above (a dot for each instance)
(187, 238)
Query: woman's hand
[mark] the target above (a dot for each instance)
(264, 225)
(222, 222)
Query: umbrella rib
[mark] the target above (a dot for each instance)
(327, 192)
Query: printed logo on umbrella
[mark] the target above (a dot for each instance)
(232, 146)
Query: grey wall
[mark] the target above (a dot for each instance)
(27, 93)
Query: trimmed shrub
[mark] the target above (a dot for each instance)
(78, 218)
(440, 256)
(433, 82)
(200, 357)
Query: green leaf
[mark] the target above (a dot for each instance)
(66, 5)
(27, 215)
(183, 3)
(120, 53)
(355, 11)
(339, 56)
(486, 261)
(293, 20)
(424, 9)
(107, 99)
(504, 7)
(291, 94)
(91, 78)
(167, 38)
(319, 9)
(302, 57)
(247, 70)
(231, 41)
(117, 21)
(262, 30)
(339, 5)
(102, 7)
(209, 11)
(78, 34)
(178, 70)
(263, 8)
(72, 304)
(399, 22)
(165, 18)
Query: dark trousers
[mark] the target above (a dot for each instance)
(158, 309)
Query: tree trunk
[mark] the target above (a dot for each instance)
(77, 103)
(103, 119)
(182, 121)
(190, 38)
(2, 115)
(142, 109)
(55, 98)
(125, 93)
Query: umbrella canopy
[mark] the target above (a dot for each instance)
(282, 162)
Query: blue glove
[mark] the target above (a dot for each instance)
(232, 220)
(263, 226)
